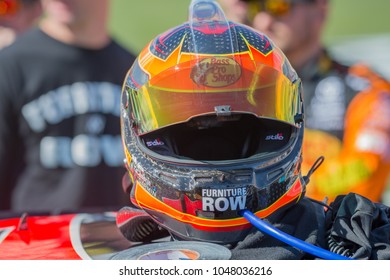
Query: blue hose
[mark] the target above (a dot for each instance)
(290, 240)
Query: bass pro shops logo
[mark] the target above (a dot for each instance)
(223, 199)
(216, 72)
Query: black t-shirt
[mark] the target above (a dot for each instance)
(60, 145)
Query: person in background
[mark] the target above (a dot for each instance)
(60, 85)
(17, 16)
(347, 107)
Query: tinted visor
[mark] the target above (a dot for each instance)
(186, 91)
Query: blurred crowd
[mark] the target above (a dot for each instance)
(60, 86)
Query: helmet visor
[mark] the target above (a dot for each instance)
(187, 90)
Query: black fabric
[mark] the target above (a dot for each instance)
(353, 223)
(60, 145)
(354, 227)
(304, 221)
(359, 227)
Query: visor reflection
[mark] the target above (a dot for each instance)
(264, 92)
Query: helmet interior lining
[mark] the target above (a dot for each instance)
(211, 138)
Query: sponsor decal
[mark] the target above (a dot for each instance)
(216, 72)
(223, 199)
(155, 142)
(278, 136)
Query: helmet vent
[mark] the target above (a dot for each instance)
(243, 178)
(204, 179)
(274, 174)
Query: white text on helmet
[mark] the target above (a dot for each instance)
(155, 142)
(278, 136)
(223, 199)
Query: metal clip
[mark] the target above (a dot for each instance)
(223, 110)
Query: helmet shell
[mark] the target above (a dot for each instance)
(190, 102)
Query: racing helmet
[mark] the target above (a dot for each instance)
(212, 123)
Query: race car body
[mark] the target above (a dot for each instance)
(56, 237)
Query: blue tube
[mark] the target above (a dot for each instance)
(290, 240)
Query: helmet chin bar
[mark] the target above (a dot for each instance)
(197, 200)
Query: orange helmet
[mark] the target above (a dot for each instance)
(212, 123)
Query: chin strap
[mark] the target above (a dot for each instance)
(306, 179)
(315, 166)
